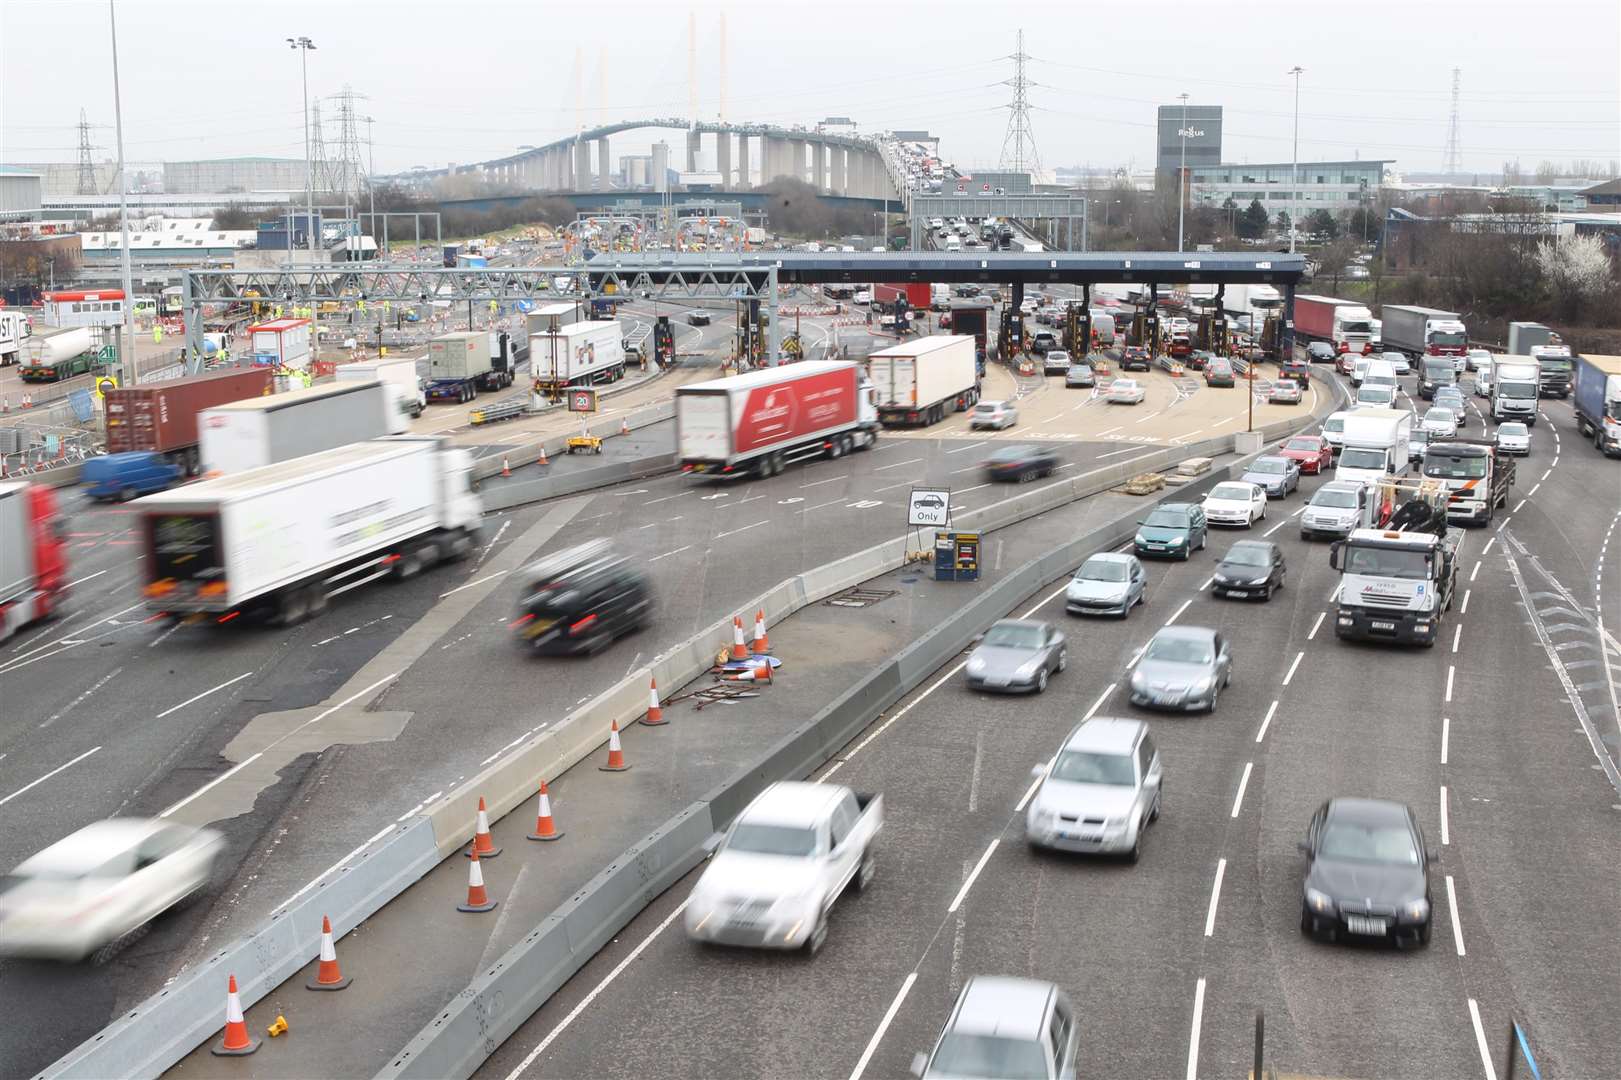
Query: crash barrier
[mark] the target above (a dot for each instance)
(555, 444)
(136, 1044)
(519, 492)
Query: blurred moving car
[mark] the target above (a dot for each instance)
(1126, 392)
(1020, 463)
(1016, 654)
(1235, 503)
(697, 318)
(1004, 1027)
(1250, 568)
(1275, 474)
(86, 893)
(1368, 873)
(1513, 437)
(578, 601)
(1310, 452)
(1108, 583)
(1100, 793)
(1079, 375)
(1174, 529)
(1284, 392)
(993, 414)
(1183, 668)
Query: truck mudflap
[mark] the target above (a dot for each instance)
(1400, 627)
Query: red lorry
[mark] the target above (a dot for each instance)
(33, 556)
(162, 416)
(760, 420)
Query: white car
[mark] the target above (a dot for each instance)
(1475, 358)
(863, 296)
(1513, 438)
(1126, 392)
(993, 414)
(1483, 379)
(87, 892)
(1235, 503)
(1441, 423)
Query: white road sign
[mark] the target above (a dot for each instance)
(929, 506)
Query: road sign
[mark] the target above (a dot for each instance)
(929, 506)
(104, 384)
(582, 401)
(107, 354)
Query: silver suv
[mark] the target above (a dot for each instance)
(1099, 792)
(1007, 1027)
(1334, 510)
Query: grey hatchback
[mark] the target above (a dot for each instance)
(1182, 668)
(1016, 654)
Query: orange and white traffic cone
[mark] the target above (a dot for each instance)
(752, 675)
(236, 1043)
(506, 470)
(327, 975)
(543, 460)
(740, 651)
(762, 644)
(655, 712)
(477, 898)
(483, 843)
(624, 426)
(545, 828)
(616, 753)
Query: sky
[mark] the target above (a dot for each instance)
(468, 80)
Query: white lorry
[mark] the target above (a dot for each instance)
(1373, 444)
(940, 297)
(920, 381)
(1516, 384)
(14, 330)
(579, 354)
(259, 431)
(1395, 585)
(398, 374)
(758, 421)
(782, 863)
(281, 541)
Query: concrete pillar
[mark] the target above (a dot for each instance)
(819, 165)
(661, 166)
(723, 158)
(695, 147)
(836, 183)
(744, 178)
(582, 165)
(796, 158)
(604, 165)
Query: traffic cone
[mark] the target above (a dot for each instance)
(483, 843)
(506, 470)
(739, 650)
(28, 401)
(655, 712)
(236, 1042)
(544, 827)
(616, 754)
(477, 898)
(543, 460)
(624, 426)
(762, 644)
(752, 675)
(327, 975)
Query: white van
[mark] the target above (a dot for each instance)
(1359, 369)
(1371, 395)
(1380, 373)
(954, 243)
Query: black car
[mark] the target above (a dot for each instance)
(580, 600)
(1250, 568)
(1320, 352)
(1298, 370)
(1135, 358)
(697, 318)
(1020, 463)
(1368, 875)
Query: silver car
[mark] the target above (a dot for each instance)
(993, 414)
(1016, 654)
(1183, 668)
(1274, 474)
(1109, 583)
(1100, 792)
(1004, 1026)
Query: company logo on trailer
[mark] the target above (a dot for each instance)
(775, 411)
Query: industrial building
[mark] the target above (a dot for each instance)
(21, 194)
(61, 178)
(230, 175)
(1299, 189)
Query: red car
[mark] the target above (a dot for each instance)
(1312, 451)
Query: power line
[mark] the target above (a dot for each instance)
(87, 164)
(1019, 152)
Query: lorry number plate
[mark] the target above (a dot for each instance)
(1377, 625)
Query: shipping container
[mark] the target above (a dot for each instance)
(552, 317)
(577, 355)
(163, 417)
(1522, 336)
(759, 420)
(918, 294)
(919, 382)
(261, 431)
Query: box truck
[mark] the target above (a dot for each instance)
(759, 421)
(1254, 301)
(33, 556)
(460, 365)
(399, 374)
(919, 382)
(14, 330)
(1422, 331)
(255, 432)
(577, 355)
(163, 417)
(1374, 445)
(1524, 336)
(1345, 324)
(1598, 401)
(282, 540)
(551, 317)
(1516, 384)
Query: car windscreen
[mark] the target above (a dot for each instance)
(1389, 844)
(1334, 423)
(1245, 555)
(1330, 497)
(1444, 466)
(1167, 519)
(1179, 650)
(1102, 571)
(987, 1056)
(772, 839)
(1270, 467)
(988, 406)
(1353, 457)
(1513, 429)
(1387, 562)
(1086, 767)
(1309, 445)
(1013, 635)
(1235, 492)
(1443, 416)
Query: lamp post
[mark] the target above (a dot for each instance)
(304, 46)
(127, 350)
(1294, 163)
(1182, 171)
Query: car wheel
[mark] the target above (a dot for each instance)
(1215, 692)
(1308, 926)
(1063, 659)
(869, 868)
(1204, 538)
(1041, 680)
(818, 936)
(1266, 593)
(1136, 851)
(111, 949)
(1424, 935)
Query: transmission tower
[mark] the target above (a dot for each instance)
(319, 167)
(1019, 146)
(348, 166)
(1452, 159)
(87, 164)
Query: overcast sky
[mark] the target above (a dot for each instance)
(466, 80)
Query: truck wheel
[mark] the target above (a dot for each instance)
(408, 565)
(317, 598)
(294, 608)
(869, 867)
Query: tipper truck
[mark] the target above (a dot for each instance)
(279, 542)
(1345, 324)
(1422, 331)
(919, 382)
(460, 365)
(759, 421)
(261, 431)
(398, 373)
(578, 354)
(33, 556)
(1476, 476)
(162, 417)
(1598, 401)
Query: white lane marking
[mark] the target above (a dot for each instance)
(1463, 609)
(1457, 633)
(1299, 656)
(199, 697)
(837, 765)
(820, 506)
(1480, 1037)
(1446, 737)
(68, 641)
(1475, 571)
(745, 528)
(1529, 494)
(1111, 431)
(898, 464)
(1177, 613)
(970, 446)
(48, 775)
(965, 468)
(962, 893)
(1276, 527)
(82, 580)
(883, 1026)
(1206, 584)
(1117, 453)
(1267, 722)
(665, 498)
(470, 584)
(1446, 834)
(1316, 624)
(649, 525)
(1215, 897)
(819, 483)
(1243, 782)
(667, 554)
(1193, 1036)
(1451, 671)
(1457, 927)
(1487, 550)
(892, 487)
(965, 491)
(585, 1002)
(1045, 600)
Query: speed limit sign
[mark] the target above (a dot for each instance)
(582, 401)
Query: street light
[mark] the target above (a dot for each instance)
(1294, 163)
(128, 349)
(1182, 171)
(304, 46)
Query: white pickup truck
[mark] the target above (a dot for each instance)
(777, 871)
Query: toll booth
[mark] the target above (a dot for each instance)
(1010, 339)
(956, 556)
(1078, 324)
(663, 342)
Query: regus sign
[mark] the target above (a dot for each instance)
(1191, 133)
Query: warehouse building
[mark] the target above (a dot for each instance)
(225, 176)
(21, 194)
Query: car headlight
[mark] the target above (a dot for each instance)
(1416, 910)
(1175, 541)
(1319, 901)
(1138, 681)
(1030, 667)
(1203, 685)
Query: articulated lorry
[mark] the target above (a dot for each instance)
(1345, 324)
(255, 432)
(759, 421)
(919, 382)
(163, 417)
(1555, 370)
(1421, 331)
(399, 374)
(1397, 582)
(1516, 385)
(579, 354)
(279, 542)
(33, 556)
(1525, 336)
(1476, 477)
(1598, 401)
(460, 365)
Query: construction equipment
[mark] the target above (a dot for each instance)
(584, 444)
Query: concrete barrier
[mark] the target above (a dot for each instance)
(521, 493)
(607, 427)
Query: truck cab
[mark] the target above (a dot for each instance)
(1555, 369)
(1394, 586)
(1477, 478)
(1516, 385)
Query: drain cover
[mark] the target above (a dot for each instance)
(858, 597)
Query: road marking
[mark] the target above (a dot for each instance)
(1457, 632)
(1463, 609)
(1457, 927)
(1098, 704)
(965, 491)
(1243, 782)
(970, 446)
(1446, 737)
(819, 483)
(1177, 613)
(1044, 601)
(962, 893)
(898, 464)
(562, 1025)
(1117, 453)
(1111, 431)
(1480, 1037)
(48, 775)
(820, 506)
(1451, 671)
(883, 1026)
(665, 498)
(1446, 835)
(1215, 896)
(1206, 584)
(1315, 625)
(1276, 527)
(1265, 723)
(470, 584)
(1475, 571)
(667, 554)
(199, 697)
(68, 641)
(1193, 1037)
(1487, 550)
(837, 765)
(1529, 494)
(1299, 656)
(82, 580)
(745, 528)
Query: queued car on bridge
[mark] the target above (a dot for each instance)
(1182, 668)
(1172, 529)
(1126, 392)
(1100, 792)
(1275, 474)
(1335, 509)
(1020, 463)
(1513, 437)
(1250, 568)
(1005, 1027)
(1235, 502)
(1311, 452)
(1367, 873)
(1016, 655)
(1108, 583)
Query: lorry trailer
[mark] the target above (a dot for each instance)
(919, 382)
(255, 432)
(1345, 324)
(759, 421)
(163, 417)
(33, 556)
(1598, 401)
(578, 354)
(53, 355)
(1421, 331)
(460, 365)
(397, 373)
